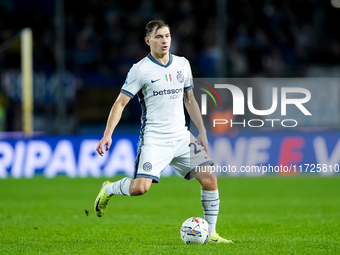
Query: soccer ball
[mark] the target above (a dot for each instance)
(195, 230)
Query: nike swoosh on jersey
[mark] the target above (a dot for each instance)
(152, 81)
(214, 205)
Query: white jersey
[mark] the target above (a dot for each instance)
(160, 90)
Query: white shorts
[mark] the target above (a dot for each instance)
(183, 155)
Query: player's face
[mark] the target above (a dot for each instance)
(159, 41)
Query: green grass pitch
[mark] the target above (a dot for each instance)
(261, 216)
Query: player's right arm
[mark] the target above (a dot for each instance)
(112, 121)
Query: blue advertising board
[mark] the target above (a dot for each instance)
(247, 154)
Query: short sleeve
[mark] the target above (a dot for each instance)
(188, 83)
(133, 82)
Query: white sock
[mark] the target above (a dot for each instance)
(121, 187)
(211, 203)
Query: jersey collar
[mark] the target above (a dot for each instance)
(156, 62)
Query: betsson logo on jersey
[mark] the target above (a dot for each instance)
(167, 92)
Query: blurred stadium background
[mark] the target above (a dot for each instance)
(82, 51)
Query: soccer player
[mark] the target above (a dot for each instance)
(161, 81)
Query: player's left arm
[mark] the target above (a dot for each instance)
(194, 112)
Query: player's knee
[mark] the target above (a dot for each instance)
(137, 191)
(139, 187)
(208, 183)
(204, 172)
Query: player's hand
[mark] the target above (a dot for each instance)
(203, 140)
(106, 140)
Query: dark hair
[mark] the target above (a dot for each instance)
(158, 23)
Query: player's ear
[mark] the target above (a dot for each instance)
(147, 40)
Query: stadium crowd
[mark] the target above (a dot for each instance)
(267, 38)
